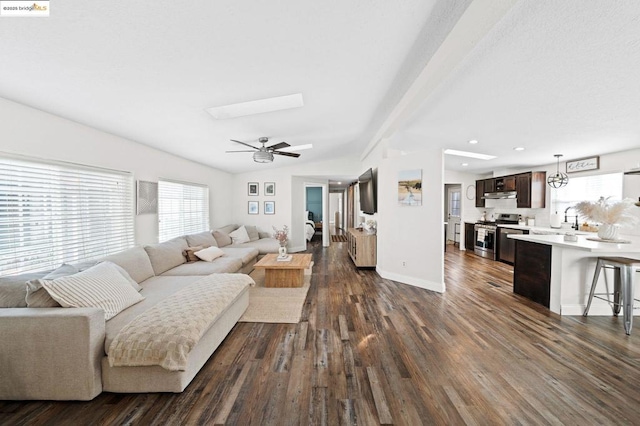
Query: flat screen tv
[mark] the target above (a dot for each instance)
(368, 191)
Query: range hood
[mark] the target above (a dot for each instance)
(499, 195)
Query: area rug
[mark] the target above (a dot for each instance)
(275, 305)
(339, 238)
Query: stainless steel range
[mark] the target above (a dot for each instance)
(485, 234)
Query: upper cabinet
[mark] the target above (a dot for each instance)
(530, 189)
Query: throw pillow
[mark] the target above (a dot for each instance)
(240, 236)
(190, 253)
(209, 254)
(221, 238)
(202, 239)
(252, 232)
(126, 275)
(37, 295)
(101, 286)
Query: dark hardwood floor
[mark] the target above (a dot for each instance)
(371, 351)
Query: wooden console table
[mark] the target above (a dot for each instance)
(362, 247)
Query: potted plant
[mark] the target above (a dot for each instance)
(610, 215)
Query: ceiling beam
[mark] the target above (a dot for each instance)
(474, 24)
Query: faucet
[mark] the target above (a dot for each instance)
(575, 226)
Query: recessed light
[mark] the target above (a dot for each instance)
(256, 107)
(465, 164)
(473, 141)
(469, 154)
(518, 148)
(339, 183)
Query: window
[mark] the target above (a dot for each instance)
(588, 188)
(454, 203)
(183, 208)
(51, 213)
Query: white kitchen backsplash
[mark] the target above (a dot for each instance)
(509, 205)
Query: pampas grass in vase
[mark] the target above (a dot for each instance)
(611, 215)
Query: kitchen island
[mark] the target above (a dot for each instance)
(560, 272)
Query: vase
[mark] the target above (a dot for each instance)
(607, 231)
(282, 251)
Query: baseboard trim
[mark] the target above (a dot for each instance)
(596, 310)
(416, 282)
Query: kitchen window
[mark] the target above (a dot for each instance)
(588, 188)
(183, 208)
(53, 213)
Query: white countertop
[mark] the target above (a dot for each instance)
(550, 231)
(583, 243)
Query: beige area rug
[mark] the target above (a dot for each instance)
(275, 305)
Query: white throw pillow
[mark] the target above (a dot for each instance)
(240, 236)
(101, 286)
(209, 254)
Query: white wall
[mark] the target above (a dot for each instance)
(289, 198)
(34, 133)
(410, 238)
(334, 206)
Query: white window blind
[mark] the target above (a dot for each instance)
(183, 208)
(54, 213)
(588, 188)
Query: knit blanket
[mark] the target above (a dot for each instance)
(166, 333)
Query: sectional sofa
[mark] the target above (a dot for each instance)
(56, 353)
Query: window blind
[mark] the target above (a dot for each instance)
(588, 188)
(183, 208)
(54, 213)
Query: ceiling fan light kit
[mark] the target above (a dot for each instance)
(559, 179)
(265, 153)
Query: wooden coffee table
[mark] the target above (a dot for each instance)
(284, 274)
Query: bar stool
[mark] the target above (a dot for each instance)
(624, 269)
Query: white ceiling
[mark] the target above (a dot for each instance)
(552, 76)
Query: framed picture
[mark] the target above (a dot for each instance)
(410, 188)
(269, 207)
(252, 188)
(253, 207)
(269, 188)
(583, 164)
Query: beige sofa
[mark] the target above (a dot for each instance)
(62, 353)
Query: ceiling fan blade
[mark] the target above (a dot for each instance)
(298, 148)
(278, 146)
(240, 151)
(245, 144)
(287, 154)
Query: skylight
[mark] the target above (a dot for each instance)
(256, 107)
(469, 154)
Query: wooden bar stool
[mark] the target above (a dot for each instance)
(623, 286)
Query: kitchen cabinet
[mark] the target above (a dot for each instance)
(479, 193)
(469, 235)
(532, 272)
(509, 183)
(489, 185)
(531, 190)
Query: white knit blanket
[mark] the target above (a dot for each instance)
(165, 333)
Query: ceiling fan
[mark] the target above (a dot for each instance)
(264, 154)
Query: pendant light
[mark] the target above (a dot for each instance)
(558, 180)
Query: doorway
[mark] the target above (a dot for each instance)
(453, 213)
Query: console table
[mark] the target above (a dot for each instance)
(362, 247)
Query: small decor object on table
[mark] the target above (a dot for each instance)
(610, 215)
(370, 226)
(282, 235)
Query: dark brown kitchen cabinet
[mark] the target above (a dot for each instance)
(509, 183)
(479, 193)
(531, 190)
(469, 236)
(489, 185)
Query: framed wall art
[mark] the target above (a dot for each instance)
(252, 188)
(253, 207)
(269, 207)
(583, 164)
(269, 188)
(410, 188)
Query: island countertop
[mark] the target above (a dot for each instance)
(559, 272)
(584, 244)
